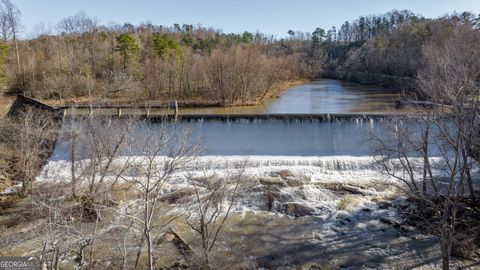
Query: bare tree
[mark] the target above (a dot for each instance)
(213, 202)
(77, 210)
(10, 16)
(451, 76)
(158, 153)
(35, 134)
(83, 26)
(5, 27)
(68, 225)
(239, 74)
(450, 132)
(96, 144)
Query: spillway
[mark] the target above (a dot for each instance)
(271, 137)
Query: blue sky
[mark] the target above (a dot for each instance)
(268, 16)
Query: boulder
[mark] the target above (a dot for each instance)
(293, 182)
(357, 190)
(176, 196)
(282, 174)
(272, 195)
(297, 209)
(391, 221)
(277, 181)
(402, 204)
(344, 189)
(384, 205)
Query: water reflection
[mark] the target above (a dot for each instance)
(325, 96)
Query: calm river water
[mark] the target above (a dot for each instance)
(325, 96)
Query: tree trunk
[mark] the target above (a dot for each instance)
(17, 55)
(469, 177)
(74, 179)
(93, 55)
(425, 161)
(445, 256)
(149, 248)
(148, 232)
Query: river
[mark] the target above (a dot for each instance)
(324, 96)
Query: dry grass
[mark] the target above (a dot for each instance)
(5, 103)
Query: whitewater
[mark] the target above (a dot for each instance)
(311, 173)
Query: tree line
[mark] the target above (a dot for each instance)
(128, 63)
(82, 59)
(391, 45)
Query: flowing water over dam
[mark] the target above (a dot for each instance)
(287, 210)
(339, 137)
(291, 167)
(298, 137)
(313, 121)
(285, 138)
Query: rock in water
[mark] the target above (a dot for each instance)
(297, 209)
(272, 181)
(283, 174)
(293, 182)
(176, 196)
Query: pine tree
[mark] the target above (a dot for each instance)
(128, 48)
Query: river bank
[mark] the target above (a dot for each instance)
(401, 84)
(275, 90)
(6, 154)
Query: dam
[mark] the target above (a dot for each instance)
(317, 164)
(325, 118)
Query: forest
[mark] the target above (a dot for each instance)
(84, 61)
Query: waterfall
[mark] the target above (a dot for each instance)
(312, 152)
(337, 150)
(323, 169)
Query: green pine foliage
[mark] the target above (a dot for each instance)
(128, 48)
(165, 44)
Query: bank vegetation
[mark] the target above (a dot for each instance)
(81, 60)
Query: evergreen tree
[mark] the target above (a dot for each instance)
(247, 37)
(317, 37)
(165, 44)
(128, 48)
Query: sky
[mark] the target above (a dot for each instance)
(273, 17)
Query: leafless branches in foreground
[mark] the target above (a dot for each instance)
(30, 136)
(110, 200)
(442, 192)
(214, 198)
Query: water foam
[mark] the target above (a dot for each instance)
(323, 169)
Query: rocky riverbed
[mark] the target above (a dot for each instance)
(285, 220)
(315, 213)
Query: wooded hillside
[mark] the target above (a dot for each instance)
(83, 60)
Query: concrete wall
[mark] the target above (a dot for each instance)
(21, 102)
